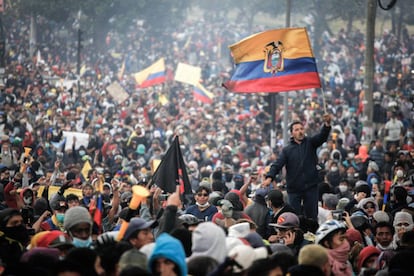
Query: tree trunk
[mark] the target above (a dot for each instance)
(400, 11)
(369, 67)
(350, 22)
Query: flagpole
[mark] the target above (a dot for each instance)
(324, 101)
(285, 96)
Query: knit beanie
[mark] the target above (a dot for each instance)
(381, 216)
(365, 253)
(75, 215)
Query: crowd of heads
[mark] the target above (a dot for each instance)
(51, 183)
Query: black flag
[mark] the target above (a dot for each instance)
(172, 172)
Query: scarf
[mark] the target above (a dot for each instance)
(204, 206)
(338, 259)
(385, 248)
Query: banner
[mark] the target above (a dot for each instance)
(187, 74)
(117, 92)
(82, 139)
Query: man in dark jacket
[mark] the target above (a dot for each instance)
(259, 212)
(301, 162)
(14, 238)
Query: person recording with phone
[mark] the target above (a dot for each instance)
(288, 232)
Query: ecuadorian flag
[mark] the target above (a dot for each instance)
(152, 75)
(274, 61)
(203, 95)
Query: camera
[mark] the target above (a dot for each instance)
(338, 215)
(163, 197)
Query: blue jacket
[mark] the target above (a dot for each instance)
(301, 162)
(205, 215)
(169, 248)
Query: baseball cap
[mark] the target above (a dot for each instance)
(55, 239)
(137, 224)
(59, 205)
(286, 220)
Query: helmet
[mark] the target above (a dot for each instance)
(328, 227)
(189, 219)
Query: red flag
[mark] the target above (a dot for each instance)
(172, 172)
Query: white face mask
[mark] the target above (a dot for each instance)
(343, 188)
(405, 228)
(334, 169)
(27, 200)
(400, 173)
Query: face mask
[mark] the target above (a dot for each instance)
(203, 205)
(343, 188)
(351, 155)
(334, 169)
(235, 160)
(400, 173)
(228, 177)
(385, 248)
(18, 233)
(60, 217)
(27, 200)
(81, 243)
(373, 194)
(82, 152)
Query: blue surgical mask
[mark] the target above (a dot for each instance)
(82, 243)
(60, 217)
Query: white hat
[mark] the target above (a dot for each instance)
(245, 255)
(239, 230)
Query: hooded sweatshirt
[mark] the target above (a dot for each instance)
(169, 248)
(209, 240)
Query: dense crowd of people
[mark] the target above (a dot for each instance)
(68, 146)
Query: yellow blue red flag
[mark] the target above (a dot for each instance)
(201, 94)
(153, 74)
(274, 61)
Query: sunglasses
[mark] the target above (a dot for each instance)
(202, 194)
